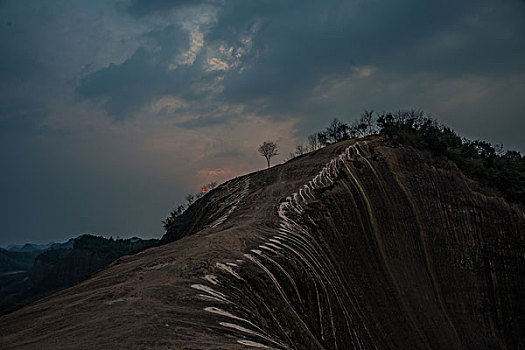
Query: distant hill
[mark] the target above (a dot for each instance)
(30, 247)
(20, 258)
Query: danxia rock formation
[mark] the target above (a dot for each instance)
(359, 245)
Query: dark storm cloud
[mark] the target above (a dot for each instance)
(294, 47)
(298, 46)
(126, 87)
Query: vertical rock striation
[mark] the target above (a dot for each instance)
(382, 249)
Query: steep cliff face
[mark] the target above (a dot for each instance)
(73, 267)
(45, 262)
(358, 245)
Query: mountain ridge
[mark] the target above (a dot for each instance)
(357, 245)
(32, 247)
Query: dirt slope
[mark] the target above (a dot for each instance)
(357, 245)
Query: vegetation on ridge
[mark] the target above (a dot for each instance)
(503, 170)
(190, 198)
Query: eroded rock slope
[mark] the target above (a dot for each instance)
(359, 245)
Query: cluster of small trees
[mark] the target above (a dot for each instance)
(335, 132)
(189, 200)
(338, 131)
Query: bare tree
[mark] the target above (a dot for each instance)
(313, 142)
(269, 149)
(337, 131)
(357, 129)
(367, 118)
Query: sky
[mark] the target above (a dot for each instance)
(111, 111)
